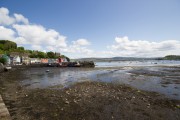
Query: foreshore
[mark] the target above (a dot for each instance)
(84, 100)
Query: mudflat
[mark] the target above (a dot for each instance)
(88, 100)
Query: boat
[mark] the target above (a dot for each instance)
(7, 68)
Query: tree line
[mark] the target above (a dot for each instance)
(7, 47)
(172, 57)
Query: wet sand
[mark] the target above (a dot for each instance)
(86, 100)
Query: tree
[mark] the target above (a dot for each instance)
(33, 55)
(1, 51)
(68, 59)
(51, 55)
(1, 47)
(63, 56)
(10, 45)
(3, 60)
(172, 57)
(21, 48)
(41, 55)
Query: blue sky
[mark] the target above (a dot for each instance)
(95, 28)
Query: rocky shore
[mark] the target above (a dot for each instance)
(84, 101)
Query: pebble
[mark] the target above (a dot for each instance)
(178, 106)
(67, 102)
(75, 101)
(67, 92)
(138, 91)
(148, 105)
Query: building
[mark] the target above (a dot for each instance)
(16, 60)
(25, 59)
(35, 60)
(44, 60)
(52, 60)
(61, 60)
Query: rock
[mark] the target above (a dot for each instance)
(178, 106)
(87, 64)
(67, 102)
(148, 105)
(138, 91)
(67, 92)
(75, 101)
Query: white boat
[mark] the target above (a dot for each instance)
(7, 68)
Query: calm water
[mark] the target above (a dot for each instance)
(138, 63)
(158, 78)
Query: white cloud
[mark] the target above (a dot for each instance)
(21, 18)
(20, 40)
(5, 19)
(79, 49)
(142, 48)
(37, 47)
(51, 48)
(6, 33)
(38, 35)
(81, 42)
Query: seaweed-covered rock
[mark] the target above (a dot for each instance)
(87, 64)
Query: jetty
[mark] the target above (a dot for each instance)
(89, 64)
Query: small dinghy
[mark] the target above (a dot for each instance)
(7, 68)
(47, 70)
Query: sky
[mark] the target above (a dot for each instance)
(93, 28)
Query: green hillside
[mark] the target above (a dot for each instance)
(7, 47)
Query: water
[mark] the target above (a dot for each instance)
(138, 63)
(163, 79)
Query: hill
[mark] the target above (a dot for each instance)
(116, 59)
